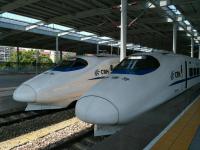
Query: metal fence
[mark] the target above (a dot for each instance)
(13, 67)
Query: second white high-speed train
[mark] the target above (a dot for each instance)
(60, 86)
(139, 83)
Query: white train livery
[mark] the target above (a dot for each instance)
(60, 86)
(139, 83)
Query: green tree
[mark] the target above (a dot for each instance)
(45, 59)
(29, 57)
(24, 56)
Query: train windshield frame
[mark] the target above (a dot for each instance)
(71, 65)
(137, 64)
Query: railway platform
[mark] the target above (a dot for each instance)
(172, 125)
(8, 83)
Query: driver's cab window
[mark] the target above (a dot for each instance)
(71, 65)
(138, 65)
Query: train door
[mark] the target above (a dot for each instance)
(186, 74)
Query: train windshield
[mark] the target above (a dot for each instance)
(71, 65)
(138, 65)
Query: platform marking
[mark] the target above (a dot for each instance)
(23, 139)
(156, 139)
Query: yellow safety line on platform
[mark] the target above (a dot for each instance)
(9, 144)
(180, 135)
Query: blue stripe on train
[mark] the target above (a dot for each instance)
(183, 80)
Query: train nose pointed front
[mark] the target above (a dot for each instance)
(24, 93)
(96, 110)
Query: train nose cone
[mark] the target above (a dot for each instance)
(96, 110)
(24, 93)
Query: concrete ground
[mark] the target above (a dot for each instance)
(143, 129)
(8, 82)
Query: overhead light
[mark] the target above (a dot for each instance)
(87, 38)
(187, 22)
(189, 28)
(194, 30)
(180, 29)
(30, 27)
(63, 33)
(197, 42)
(66, 32)
(195, 34)
(189, 35)
(150, 5)
(164, 3)
(103, 42)
(169, 20)
(114, 44)
(129, 45)
(179, 18)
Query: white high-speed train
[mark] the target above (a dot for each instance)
(139, 83)
(60, 86)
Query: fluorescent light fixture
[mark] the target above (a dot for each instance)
(103, 42)
(105, 38)
(194, 30)
(169, 20)
(198, 37)
(179, 18)
(189, 28)
(136, 57)
(180, 29)
(195, 34)
(66, 32)
(87, 38)
(177, 12)
(172, 7)
(129, 45)
(189, 35)
(164, 3)
(29, 27)
(115, 44)
(63, 33)
(197, 42)
(150, 5)
(187, 22)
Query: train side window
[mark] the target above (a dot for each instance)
(190, 72)
(80, 63)
(197, 71)
(150, 62)
(71, 65)
(194, 71)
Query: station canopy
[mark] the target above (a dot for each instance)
(85, 23)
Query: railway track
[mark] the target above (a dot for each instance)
(81, 141)
(16, 117)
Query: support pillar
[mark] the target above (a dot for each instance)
(192, 47)
(123, 29)
(56, 60)
(111, 49)
(174, 37)
(97, 49)
(199, 51)
(61, 55)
